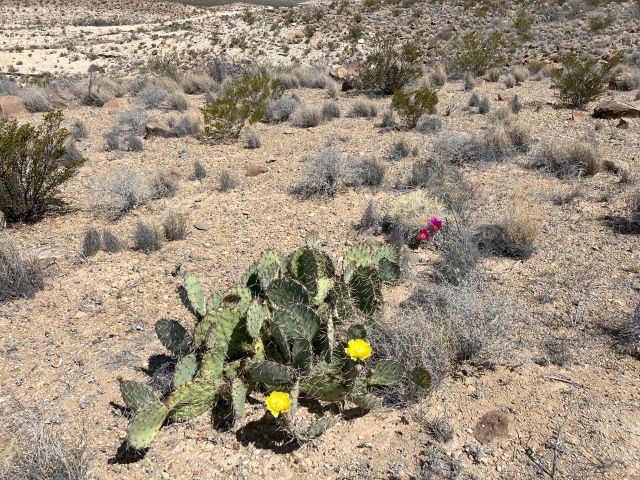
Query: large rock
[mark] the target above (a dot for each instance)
(624, 81)
(616, 109)
(115, 105)
(62, 98)
(11, 107)
(157, 129)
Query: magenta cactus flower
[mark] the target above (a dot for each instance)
(436, 223)
(423, 234)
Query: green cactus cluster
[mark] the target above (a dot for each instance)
(283, 328)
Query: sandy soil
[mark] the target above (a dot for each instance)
(63, 350)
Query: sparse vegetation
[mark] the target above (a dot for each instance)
(227, 181)
(146, 238)
(306, 117)
(122, 192)
(477, 53)
(412, 106)
(244, 101)
(20, 275)
(363, 108)
(175, 226)
(92, 242)
(581, 82)
(33, 166)
(514, 236)
(567, 159)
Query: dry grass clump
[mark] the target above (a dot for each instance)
(152, 96)
(306, 117)
(363, 108)
(79, 130)
(458, 253)
(322, 175)
(110, 242)
(199, 171)
(194, 83)
(35, 99)
(363, 172)
(121, 193)
(628, 336)
(164, 184)
(251, 139)
(304, 77)
(37, 451)
(440, 327)
(443, 181)
(370, 218)
(440, 429)
(330, 110)
(227, 181)
(20, 275)
(147, 238)
(514, 236)
(567, 159)
(175, 226)
(458, 149)
(634, 204)
(280, 110)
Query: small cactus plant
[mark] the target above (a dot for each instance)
(282, 331)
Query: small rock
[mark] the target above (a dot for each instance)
(578, 117)
(157, 129)
(204, 225)
(11, 107)
(254, 170)
(624, 123)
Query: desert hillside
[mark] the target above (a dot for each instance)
(401, 240)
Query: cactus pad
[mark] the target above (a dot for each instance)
(195, 295)
(385, 373)
(366, 289)
(285, 292)
(173, 336)
(271, 373)
(136, 395)
(271, 265)
(257, 314)
(237, 298)
(238, 397)
(324, 287)
(421, 377)
(145, 424)
(192, 399)
(357, 256)
(185, 370)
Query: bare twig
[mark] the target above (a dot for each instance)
(565, 380)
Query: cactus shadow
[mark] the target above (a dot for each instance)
(126, 455)
(266, 434)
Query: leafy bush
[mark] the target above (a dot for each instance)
(33, 166)
(287, 330)
(390, 66)
(20, 276)
(245, 100)
(476, 54)
(412, 106)
(583, 82)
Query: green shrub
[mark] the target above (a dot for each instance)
(390, 66)
(33, 166)
(412, 106)
(583, 82)
(288, 331)
(476, 54)
(244, 101)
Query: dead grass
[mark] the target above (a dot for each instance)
(514, 236)
(567, 159)
(20, 275)
(175, 226)
(628, 337)
(124, 191)
(38, 451)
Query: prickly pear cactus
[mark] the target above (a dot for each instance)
(280, 331)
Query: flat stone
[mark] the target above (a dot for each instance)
(616, 109)
(203, 225)
(578, 117)
(11, 107)
(254, 170)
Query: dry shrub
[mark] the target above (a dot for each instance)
(227, 181)
(322, 174)
(409, 212)
(306, 117)
(514, 236)
(439, 328)
(146, 238)
(567, 159)
(20, 275)
(175, 226)
(121, 193)
(197, 82)
(91, 243)
(36, 450)
(363, 108)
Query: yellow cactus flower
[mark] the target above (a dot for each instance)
(358, 349)
(278, 402)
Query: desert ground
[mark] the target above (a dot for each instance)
(552, 389)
